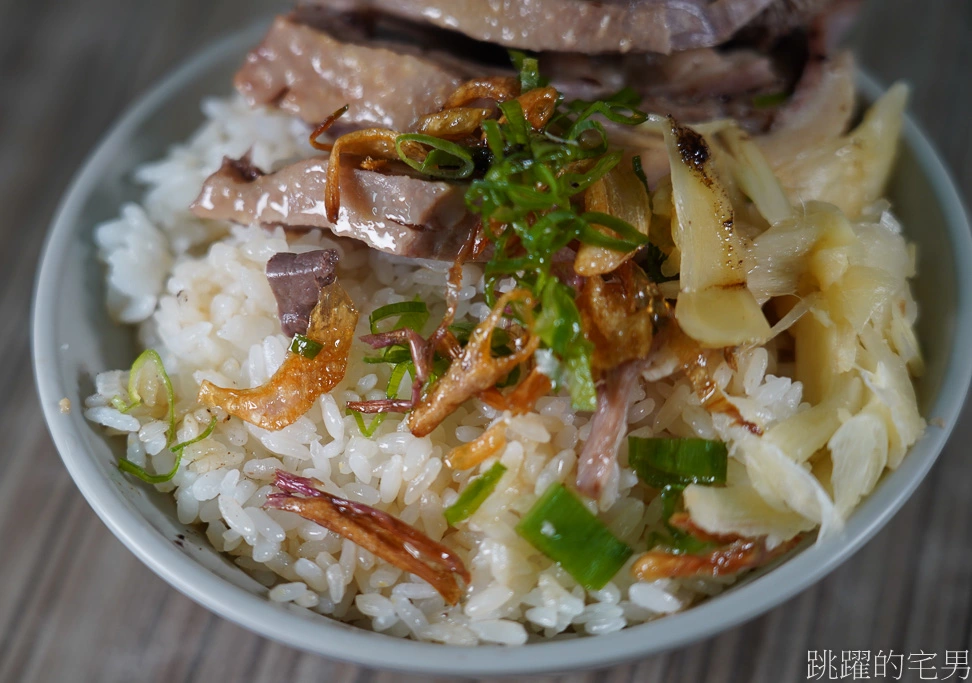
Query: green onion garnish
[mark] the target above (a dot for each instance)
(152, 357)
(394, 382)
(393, 354)
(525, 185)
(640, 171)
(663, 462)
(445, 160)
(126, 465)
(672, 539)
(559, 327)
(368, 430)
(559, 526)
(768, 100)
(651, 260)
(305, 346)
(412, 314)
(474, 494)
(528, 69)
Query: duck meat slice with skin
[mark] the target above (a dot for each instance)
(397, 214)
(313, 62)
(312, 69)
(663, 26)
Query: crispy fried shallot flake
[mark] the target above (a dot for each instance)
(487, 444)
(694, 362)
(683, 522)
(538, 106)
(377, 532)
(620, 316)
(323, 127)
(374, 143)
(475, 370)
(299, 381)
(739, 554)
(453, 124)
(496, 88)
(524, 396)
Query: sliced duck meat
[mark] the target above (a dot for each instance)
(397, 214)
(296, 281)
(661, 26)
(313, 72)
(822, 103)
(313, 63)
(597, 465)
(693, 85)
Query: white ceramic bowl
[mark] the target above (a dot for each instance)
(73, 339)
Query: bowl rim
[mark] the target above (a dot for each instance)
(325, 637)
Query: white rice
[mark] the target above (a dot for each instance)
(198, 292)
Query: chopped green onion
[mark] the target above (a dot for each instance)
(118, 403)
(126, 465)
(393, 354)
(662, 462)
(559, 327)
(651, 260)
(305, 346)
(134, 398)
(446, 160)
(559, 526)
(580, 381)
(474, 494)
(528, 69)
(768, 100)
(412, 314)
(630, 238)
(519, 129)
(368, 430)
(675, 541)
(394, 382)
(620, 108)
(640, 171)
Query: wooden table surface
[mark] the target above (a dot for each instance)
(75, 605)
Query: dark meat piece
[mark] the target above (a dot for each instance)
(693, 85)
(397, 214)
(296, 281)
(732, 558)
(313, 63)
(317, 60)
(598, 462)
(663, 26)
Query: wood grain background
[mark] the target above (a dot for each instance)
(77, 606)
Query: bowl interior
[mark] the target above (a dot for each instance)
(74, 339)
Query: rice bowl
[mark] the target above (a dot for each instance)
(595, 617)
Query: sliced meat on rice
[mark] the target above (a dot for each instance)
(296, 281)
(582, 26)
(312, 73)
(396, 214)
(391, 72)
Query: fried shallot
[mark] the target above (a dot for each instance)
(496, 88)
(374, 143)
(620, 316)
(487, 444)
(739, 554)
(300, 380)
(475, 370)
(377, 532)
